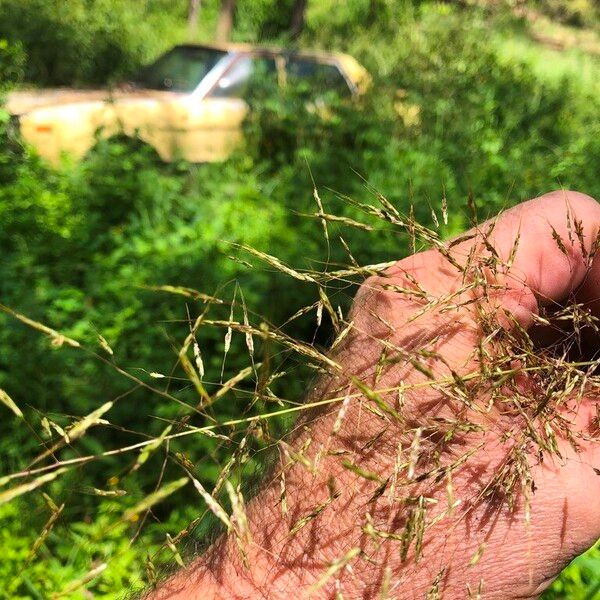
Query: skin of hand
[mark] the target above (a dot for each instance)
(384, 461)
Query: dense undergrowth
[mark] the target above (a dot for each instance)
(122, 253)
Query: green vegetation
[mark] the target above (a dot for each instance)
(458, 109)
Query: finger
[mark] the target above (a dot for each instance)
(539, 252)
(551, 240)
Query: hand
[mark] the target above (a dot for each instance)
(458, 456)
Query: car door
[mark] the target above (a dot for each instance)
(215, 126)
(318, 77)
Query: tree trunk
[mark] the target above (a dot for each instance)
(298, 16)
(193, 10)
(225, 22)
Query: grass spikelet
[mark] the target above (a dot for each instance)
(334, 567)
(414, 454)
(213, 505)
(313, 514)
(478, 554)
(173, 548)
(10, 403)
(247, 335)
(559, 242)
(94, 418)
(368, 475)
(185, 291)
(146, 451)
(58, 339)
(79, 583)
(347, 221)
(414, 529)
(330, 311)
(154, 498)
(239, 519)
(278, 264)
(321, 213)
(376, 398)
(24, 488)
(445, 209)
(229, 334)
(340, 416)
(342, 335)
(105, 345)
(194, 377)
(233, 382)
(283, 495)
(433, 593)
(109, 493)
(47, 529)
(77, 430)
(475, 594)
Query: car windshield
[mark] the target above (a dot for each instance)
(180, 70)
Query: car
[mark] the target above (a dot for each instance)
(188, 104)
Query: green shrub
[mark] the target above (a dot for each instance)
(68, 552)
(12, 60)
(579, 581)
(80, 42)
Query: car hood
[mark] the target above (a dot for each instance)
(24, 101)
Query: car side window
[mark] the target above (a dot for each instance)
(236, 81)
(320, 77)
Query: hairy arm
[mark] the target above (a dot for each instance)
(422, 477)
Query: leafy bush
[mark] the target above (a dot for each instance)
(445, 115)
(66, 554)
(579, 581)
(81, 42)
(79, 247)
(12, 61)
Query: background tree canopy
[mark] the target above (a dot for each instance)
(475, 104)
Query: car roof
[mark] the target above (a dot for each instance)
(242, 47)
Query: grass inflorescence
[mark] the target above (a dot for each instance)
(511, 381)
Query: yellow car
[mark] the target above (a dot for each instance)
(188, 104)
